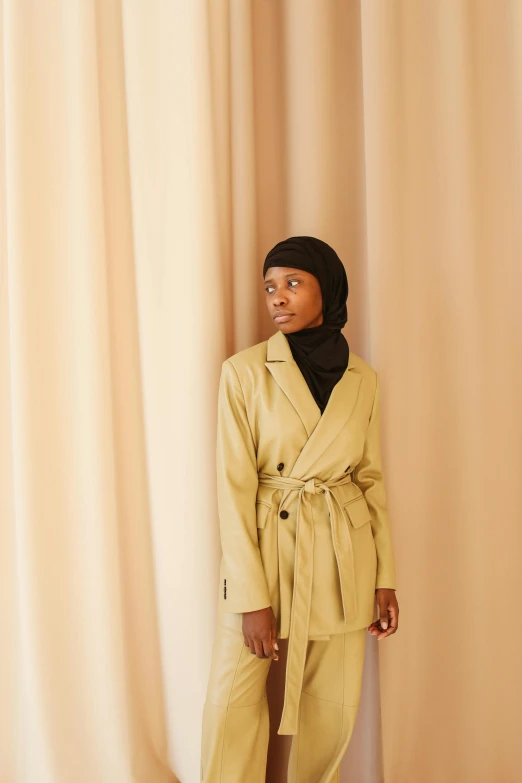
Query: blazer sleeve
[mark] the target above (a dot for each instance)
(369, 477)
(245, 588)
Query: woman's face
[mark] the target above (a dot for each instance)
(295, 294)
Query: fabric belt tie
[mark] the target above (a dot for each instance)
(303, 575)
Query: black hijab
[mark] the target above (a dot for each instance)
(321, 352)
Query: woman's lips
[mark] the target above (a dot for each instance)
(281, 319)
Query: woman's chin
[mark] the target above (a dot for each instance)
(288, 327)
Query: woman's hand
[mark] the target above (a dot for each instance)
(388, 621)
(259, 630)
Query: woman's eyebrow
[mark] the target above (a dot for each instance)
(291, 274)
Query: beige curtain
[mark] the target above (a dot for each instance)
(151, 154)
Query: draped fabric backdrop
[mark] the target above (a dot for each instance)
(151, 154)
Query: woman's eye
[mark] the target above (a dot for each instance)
(270, 288)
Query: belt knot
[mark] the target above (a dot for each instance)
(311, 487)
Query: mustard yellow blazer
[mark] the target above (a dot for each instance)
(303, 517)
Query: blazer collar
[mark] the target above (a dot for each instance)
(278, 350)
(321, 430)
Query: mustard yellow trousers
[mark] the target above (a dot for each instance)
(235, 724)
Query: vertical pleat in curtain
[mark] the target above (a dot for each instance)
(152, 153)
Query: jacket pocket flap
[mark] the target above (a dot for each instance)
(358, 511)
(262, 510)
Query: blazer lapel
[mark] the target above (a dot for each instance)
(321, 430)
(287, 374)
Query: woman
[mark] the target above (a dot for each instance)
(305, 531)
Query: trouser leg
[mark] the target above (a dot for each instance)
(235, 724)
(328, 707)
